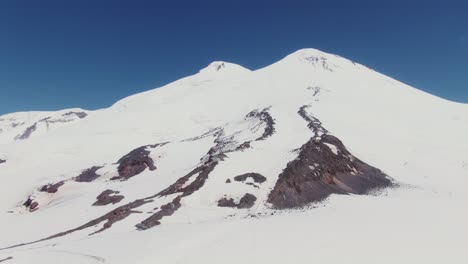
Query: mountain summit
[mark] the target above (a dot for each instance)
(289, 163)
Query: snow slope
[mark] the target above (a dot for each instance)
(227, 121)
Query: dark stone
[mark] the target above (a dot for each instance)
(252, 184)
(31, 204)
(243, 146)
(225, 202)
(256, 177)
(2, 161)
(5, 259)
(211, 132)
(267, 119)
(27, 133)
(210, 161)
(80, 115)
(247, 201)
(318, 172)
(135, 162)
(28, 202)
(108, 197)
(228, 181)
(166, 210)
(51, 188)
(88, 175)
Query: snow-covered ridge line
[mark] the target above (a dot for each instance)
(22, 125)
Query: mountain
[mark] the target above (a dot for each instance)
(313, 158)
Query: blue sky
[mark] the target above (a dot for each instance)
(89, 54)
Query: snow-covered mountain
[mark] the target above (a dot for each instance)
(313, 158)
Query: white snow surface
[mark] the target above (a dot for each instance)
(416, 138)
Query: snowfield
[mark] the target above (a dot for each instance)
(237, 166)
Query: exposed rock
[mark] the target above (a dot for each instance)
(318, 172)
(139, 156)
(27, 133)
(320, 61)
(212, 132)
(252, 184)
(135, 162)
(256, 177)
(247, 201)
(80, 115)
(228, 181)
(226, 202)
(5, 259)
(51, 188)
(31, 204)
(88, 175)
(28, 202)
(316, 90)
(265, 118)
(2, 161)
(110, 218)
(314, 124)
(108, 197)
(166, 210)
(243, 146)
(208, 163)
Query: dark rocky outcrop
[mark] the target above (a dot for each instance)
(166, 210)
(139, 156)
(31, 204)
(2, 161)
(52, 188)
(135, 162)
(247, 201)
(256, 177)
(110, 218)
(212, 132)
(27, 133)
(80, 115)
(202, 171)
(226, 202)
(313, 123)
(5, 259)
(265, 118)
(48, 120)
(319, 171)
(315, 89)
(243, 146)
(88, 175)
(209, 162)
(108, 197)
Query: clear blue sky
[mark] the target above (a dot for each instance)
(90, 53)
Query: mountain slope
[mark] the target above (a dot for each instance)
(206, 161)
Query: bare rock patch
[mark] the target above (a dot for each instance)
(88, 175)
(247, 201)
(321, 170)
(256, 177)
(52, 188)
(108, 197)
(135, 162)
